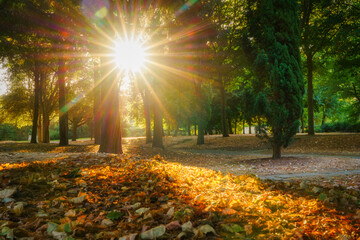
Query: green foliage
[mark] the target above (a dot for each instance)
(114, 215)
(13, 133)
(340, 127)
(273, 38)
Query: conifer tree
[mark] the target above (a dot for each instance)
(272, 42)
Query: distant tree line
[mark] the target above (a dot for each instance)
(215, 67)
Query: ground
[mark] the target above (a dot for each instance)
(228, 188)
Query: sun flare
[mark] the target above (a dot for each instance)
(130, 55)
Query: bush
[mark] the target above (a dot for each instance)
(340, 127)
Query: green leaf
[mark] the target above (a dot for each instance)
(67, 228)
(114, 215)
(51, 227)
(322, 196)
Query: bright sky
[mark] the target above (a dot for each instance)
(2, 81)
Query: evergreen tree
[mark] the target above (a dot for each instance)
(272, 41)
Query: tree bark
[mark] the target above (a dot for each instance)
(195, 130)
(230, 126)
(310, 93)
(323, 117)
(235, 125)
(74, 131)
(243, 126)
(223, 108)
(302, 123)
(146, 100)
(46, 132)
(40, 129)
(276, 151)
(36, 103)
(249, 123)
(110, 137)
(63, 112)
(200, 110)
(97, 86)
(158, 128)
(189, 129)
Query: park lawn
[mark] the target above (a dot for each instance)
(105, 196)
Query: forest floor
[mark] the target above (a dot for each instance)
(183, 191)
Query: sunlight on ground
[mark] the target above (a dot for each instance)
(91, 189)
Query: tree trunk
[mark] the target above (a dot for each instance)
(200, 110)
(46, 123)
(74, 131)
(63, 112)
(189, 129)
(146, 101)
(195, 129)
(230, 126)
(323, 117)
(249, 123)
(110, 137)
(302, 123)
(223, 108)
(40, 129)
(276, 151)
(97, 97)
(235, 125)
(310, 93)
(158, 128)
(243, 126)
(36, 103)
(259, 125)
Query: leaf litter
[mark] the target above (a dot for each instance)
(105, 196)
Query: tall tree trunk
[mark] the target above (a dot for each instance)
(146, 101)
(189, 129)
(235, 125)
(230, 126)
(323, 117)
(276, 151)
(110, 137)
(195, 130)
(223, 108)
(40, 129)
(243, 126)
(36, 103)
(74, 130)
(249, 123)
(97, 116)
(310, 93)
(63, 112)
(302, 123)
(200, 110)
(46, 123)
(158, 128)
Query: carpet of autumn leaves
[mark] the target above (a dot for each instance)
(101, 196)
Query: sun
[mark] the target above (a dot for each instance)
(130, 55)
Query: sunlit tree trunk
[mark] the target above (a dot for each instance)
(63, 113)
(223, 108)
(97, 83)
(110, 141)
(36, 103)
(46, 125)
(200, 112)
(146, 101)
(158, 128)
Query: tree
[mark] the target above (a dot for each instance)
(321, 23)
(273, 38)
